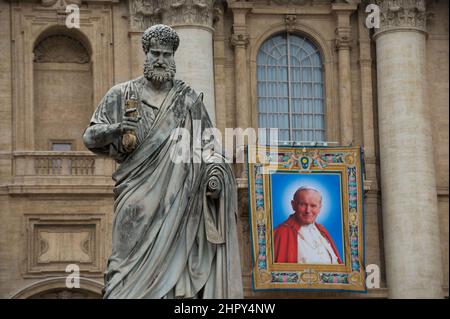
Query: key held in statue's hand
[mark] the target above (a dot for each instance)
(129, 139)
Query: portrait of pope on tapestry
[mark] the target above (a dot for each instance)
(311, 231)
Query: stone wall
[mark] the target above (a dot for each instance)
(50, 218)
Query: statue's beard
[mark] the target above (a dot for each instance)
(166, 73)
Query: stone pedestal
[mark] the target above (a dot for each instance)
(410, 214)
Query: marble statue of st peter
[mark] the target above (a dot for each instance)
(174, 230)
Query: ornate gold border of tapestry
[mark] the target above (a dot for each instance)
(267, 275)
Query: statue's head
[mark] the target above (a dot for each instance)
(160, 43)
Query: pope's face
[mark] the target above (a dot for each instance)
(307, 206)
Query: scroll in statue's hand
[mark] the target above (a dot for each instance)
(213, 187)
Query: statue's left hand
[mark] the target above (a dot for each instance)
(213, 188)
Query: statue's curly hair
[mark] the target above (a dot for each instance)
(163, 34)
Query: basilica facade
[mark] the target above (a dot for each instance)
(383, 87)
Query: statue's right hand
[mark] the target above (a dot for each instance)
(129, 123)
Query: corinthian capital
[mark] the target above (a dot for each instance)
(145, 13)
(402, 14)
(189, 12)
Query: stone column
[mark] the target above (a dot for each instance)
(240, 40)
(193, 21)
(410, 214)
(343, 42)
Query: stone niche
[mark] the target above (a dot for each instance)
(62, 90)
(60, 74)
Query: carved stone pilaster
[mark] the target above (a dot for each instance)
(145, 13)
(402, 14)
(189, 12)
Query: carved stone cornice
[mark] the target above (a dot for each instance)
(402, 14)
(59, 4)
(284, 2)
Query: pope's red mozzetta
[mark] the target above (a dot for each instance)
(285, 241)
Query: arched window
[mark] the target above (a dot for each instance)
(290, 88)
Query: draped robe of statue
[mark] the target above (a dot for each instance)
(170, 240)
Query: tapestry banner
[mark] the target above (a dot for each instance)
(306, 217)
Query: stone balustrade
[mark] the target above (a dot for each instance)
(49, 172)
(45, 163)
